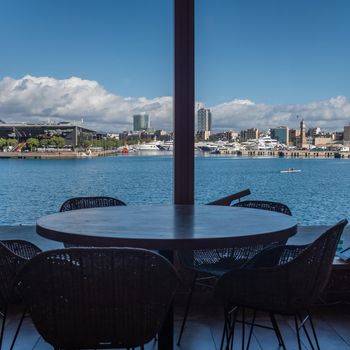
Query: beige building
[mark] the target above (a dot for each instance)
(293, 137)
(322, 141)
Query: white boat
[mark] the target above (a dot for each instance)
(208, 147)
(290, 170)
(151, 146)
(166, 146)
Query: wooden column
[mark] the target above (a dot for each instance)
(184, 101)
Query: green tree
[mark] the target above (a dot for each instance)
(33, 143)
(12, 142)
(3, 143)
(86, 144)
(44, 143)
(57, 141)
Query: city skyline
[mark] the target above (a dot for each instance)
(257, 63)
(42, 98)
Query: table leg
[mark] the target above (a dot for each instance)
(166, 335)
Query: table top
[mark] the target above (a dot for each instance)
(167, 226)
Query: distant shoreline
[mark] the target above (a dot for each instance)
(56, 155)
(296, 154)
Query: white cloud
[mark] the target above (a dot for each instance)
(41, 98)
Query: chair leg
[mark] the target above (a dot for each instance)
(229, 329)
(232, 329)
(277, 331)
(243, 328)
(251, 329)
(18, 328)
(313, 330)
(3, 325)
(305, 330)
(187, 309)
(297, 330)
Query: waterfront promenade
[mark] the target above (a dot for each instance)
(294, 154)
(56, 155)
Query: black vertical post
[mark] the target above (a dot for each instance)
(184, 103)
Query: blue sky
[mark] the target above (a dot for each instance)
(275, 52)
(269, 51)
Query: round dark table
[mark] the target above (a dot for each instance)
(167, 228)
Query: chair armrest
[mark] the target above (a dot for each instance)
(275, 256)
(23, 249)
(226, 201)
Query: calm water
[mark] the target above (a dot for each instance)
(32, 188)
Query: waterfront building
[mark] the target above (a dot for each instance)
(162, 135)
(338, 136)
(249, 134)
(204, 120)
(281, 134)
(314, 132)
(74, 135)
(300, 139)
(322, 141)
(347, 135)
(293, 136)
(142, 122)
(203, 135)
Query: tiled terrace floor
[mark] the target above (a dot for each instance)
(204, 332)
(205, 324)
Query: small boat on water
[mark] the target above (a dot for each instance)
(291, 170)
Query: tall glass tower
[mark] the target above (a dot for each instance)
(204, 120)
(142, 122)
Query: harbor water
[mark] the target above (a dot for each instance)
(317, 195)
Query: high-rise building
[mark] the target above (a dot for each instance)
(204, 119)
(281, 134)
(142, 122)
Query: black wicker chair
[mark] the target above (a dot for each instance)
(99, 298)
(88, 202)
(209, 264)
(285, 280)
(266, 205)
(14, 254)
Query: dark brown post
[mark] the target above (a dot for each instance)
(184, 103)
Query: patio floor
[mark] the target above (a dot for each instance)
(205, 323)
(204, 331)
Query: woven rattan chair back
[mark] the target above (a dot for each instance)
(86, 203)
(265, 205)
(83, 298)
(294, 283)
(8, 269)
(89, 202)
(309, 272)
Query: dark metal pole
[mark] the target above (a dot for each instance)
(184, 103)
